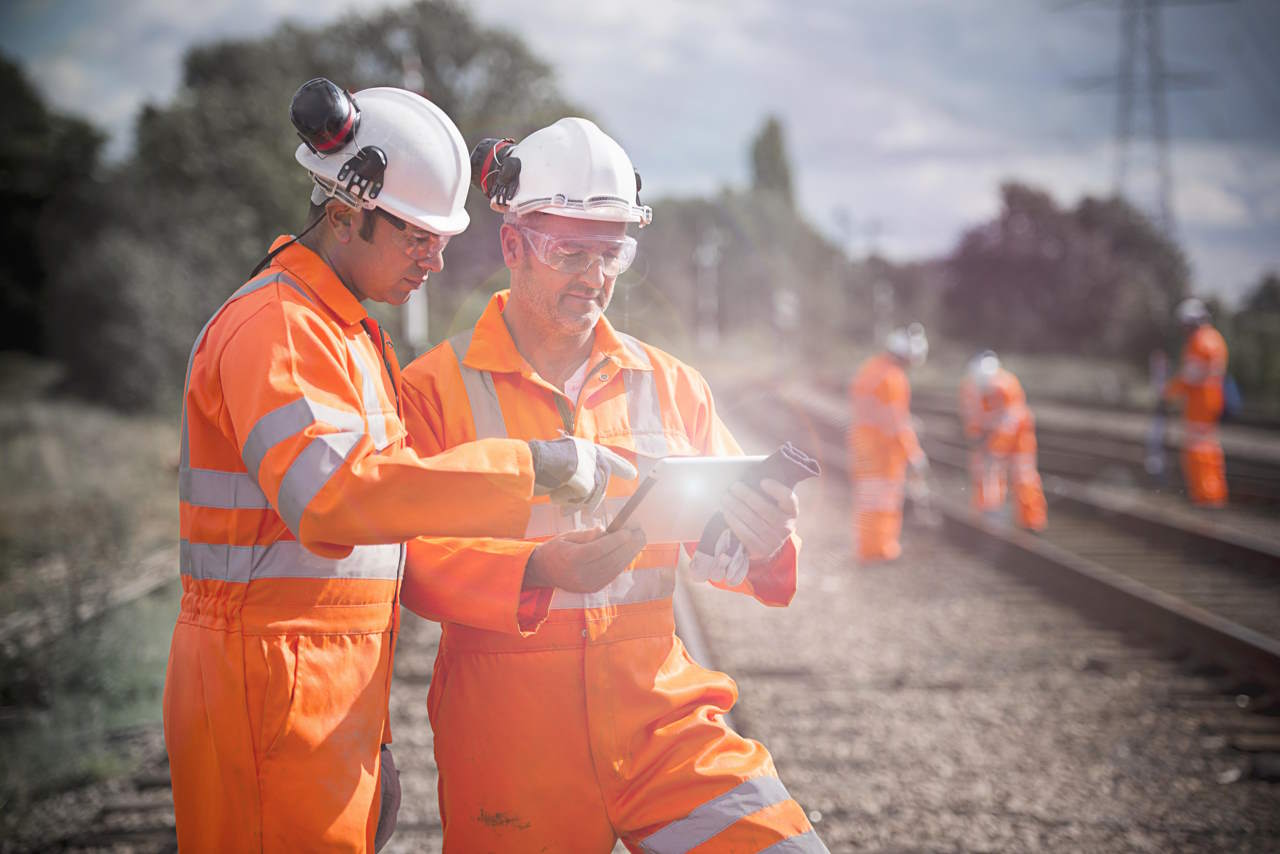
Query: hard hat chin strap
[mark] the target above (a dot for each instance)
(267, 259)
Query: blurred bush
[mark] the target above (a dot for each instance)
(1096, 280)
(1253, 336)
(163, 238)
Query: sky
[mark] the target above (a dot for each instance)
(902, 117)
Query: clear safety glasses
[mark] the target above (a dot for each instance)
(417, 243)
(578, 254)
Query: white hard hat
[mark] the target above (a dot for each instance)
(909, 344)
(983, 369)
(1192, 311)
(571, 169)
(426, 170)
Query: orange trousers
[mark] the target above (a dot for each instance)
(993, 476)
(877, 517)
(275, 706)
(1203, 466)
(566, 741)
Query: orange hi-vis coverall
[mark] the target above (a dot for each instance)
(986, 483)
(297, 491)
(565, 720)
(1199, 383)
(1006, 449)
(882, 444)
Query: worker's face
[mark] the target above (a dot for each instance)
(387, 259)
(567, 303)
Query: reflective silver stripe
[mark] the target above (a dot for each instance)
(248, 287)
(486, 411)
(871, 411)
(1194, 370)
(877, 494)
(805, 843)
(643, 409)
(639, 585)
(715, 815)
(310, 471)
(225, 490)
(285, 559)
(369, 381)
(289, 420)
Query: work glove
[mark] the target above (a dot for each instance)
(574, 471)
(757, 516)
(920, 467)
(727, 561)
(389, 805)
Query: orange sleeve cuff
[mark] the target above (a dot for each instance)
(535, 604)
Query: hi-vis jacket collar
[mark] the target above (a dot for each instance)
(309, 268)
(492, 348)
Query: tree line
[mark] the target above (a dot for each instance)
(111, 268)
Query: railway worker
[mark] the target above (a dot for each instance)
(1001, 430)
(1199, 385)
(565, 719)
(883, 444)
(298, 488)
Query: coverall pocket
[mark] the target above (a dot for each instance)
(280, 655)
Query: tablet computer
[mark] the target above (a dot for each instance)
(680, 495)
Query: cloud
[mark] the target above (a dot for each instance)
(905, 112)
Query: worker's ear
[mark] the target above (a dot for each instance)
(513, 247)
(340, 220)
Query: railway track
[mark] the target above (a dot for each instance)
(1210, 595)
(1085, 450)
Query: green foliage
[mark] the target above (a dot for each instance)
(44, 157)
(754, 250)
(1095, 280)
(1253, 336)
(770, 167)
(174, 230)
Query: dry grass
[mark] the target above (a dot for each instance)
(85, 493)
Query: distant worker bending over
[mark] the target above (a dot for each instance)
(297, 490)
(883, 444)
(566, 712)
(1001, 433)
(1199, 385)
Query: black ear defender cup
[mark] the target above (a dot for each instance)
(495, 170)
(325, 116)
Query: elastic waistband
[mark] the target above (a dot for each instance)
(256, 614)
(570, 630)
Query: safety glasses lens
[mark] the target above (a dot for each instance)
(567, 255)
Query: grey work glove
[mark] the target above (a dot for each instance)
(728, 561)
(389, 804)
(574, 471)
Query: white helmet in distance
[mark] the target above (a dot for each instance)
(983, 369)
(909, 344)
(1192, 312)
(571, 169)
(383, 148)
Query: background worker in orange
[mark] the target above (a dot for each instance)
(565, 719)
(883, 444)
(1002, 437)
(1199, 385)
(298, 488)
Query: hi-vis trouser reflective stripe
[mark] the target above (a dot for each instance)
(306, 476)
(1200, 432)
(644, 584)
(879, 494)
(719, 813)
(1022, 465)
